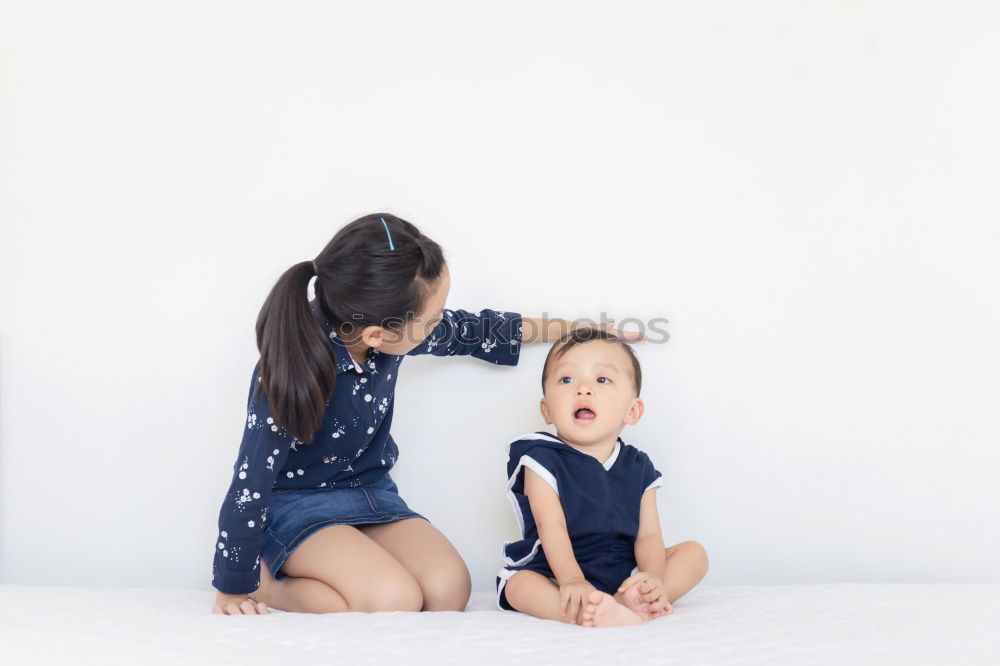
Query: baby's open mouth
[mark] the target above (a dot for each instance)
(584, 414)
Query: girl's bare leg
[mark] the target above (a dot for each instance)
(430, 559)
(339, 568)
(297, 595)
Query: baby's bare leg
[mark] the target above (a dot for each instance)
(533, 593)
(686, 565)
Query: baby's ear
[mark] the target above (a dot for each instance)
(634, 412)
(544, 407)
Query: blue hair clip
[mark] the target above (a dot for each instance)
(387, 234)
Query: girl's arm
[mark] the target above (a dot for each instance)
(490, 335)
(551, 522)
(263, 451)
(649, 548)
(549, 330)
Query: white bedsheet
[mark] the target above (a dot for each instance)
(844, 624)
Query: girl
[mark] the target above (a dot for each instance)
(313, 521)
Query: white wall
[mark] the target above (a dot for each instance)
(807, 191)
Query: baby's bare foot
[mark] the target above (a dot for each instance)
(603, 611)
(632, 600)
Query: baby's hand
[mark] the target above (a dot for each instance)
(660, 607)
(651, 591)
(573, 598)
(650, 587)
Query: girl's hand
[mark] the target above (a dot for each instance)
(628, 336)
(573, 598)
(238, 604)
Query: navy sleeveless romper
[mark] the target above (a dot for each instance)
(600, 501)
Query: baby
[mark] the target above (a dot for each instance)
(591, 551)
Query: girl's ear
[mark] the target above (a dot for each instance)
(634, 412)
(372, 336)
(545, 411)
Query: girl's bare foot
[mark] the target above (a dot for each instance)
(603, 611)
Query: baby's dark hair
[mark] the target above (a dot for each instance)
(589, 334)
(362, 279)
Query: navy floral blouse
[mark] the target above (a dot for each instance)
(353, 446)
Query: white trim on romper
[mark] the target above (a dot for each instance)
(525, 461)
(504, 575)
(537, 468)
(510, 481)
(546, 475)
(533, 435)
(552, 438)
(614, 455)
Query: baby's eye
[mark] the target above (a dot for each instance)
(562, 378)
(602, 377)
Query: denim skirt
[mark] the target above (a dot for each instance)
(295, 515)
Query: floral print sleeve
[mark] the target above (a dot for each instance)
(263, 450)
(490, 335)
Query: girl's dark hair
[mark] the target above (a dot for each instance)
(360, 282)
(587, 334)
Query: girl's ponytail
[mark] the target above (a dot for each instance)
(297, 365)
(376, 271)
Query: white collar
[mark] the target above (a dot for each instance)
(614, 455)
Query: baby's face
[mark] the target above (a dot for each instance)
(590, 393)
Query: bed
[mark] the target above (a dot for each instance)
(941, 624)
